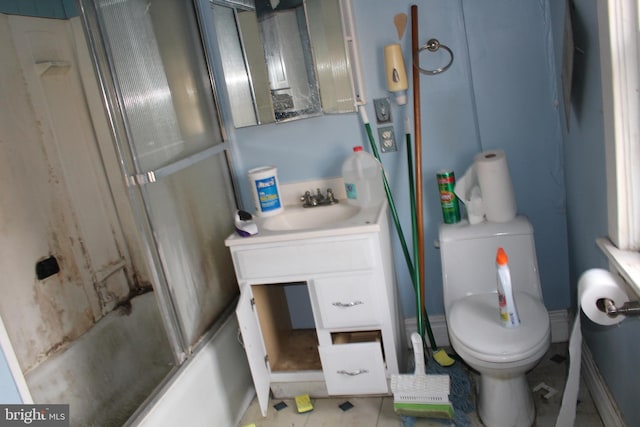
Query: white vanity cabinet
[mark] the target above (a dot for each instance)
(356, 339)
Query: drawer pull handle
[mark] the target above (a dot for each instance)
(349, 304)
(353, 373)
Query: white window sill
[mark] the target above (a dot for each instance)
(627, 263)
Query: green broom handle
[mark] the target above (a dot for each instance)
(412, 199)
(387, 189)
(415, 274)
(423, 321)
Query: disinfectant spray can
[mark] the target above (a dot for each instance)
(448, 199)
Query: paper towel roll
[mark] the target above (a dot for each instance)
(495, 183)
(593, 285)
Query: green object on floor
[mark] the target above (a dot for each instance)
(421, 410)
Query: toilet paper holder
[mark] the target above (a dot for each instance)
(629, 308)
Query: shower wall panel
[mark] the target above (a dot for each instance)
(56, 201)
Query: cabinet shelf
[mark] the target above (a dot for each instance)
(288, 348)
(356, 336)
(298, 351)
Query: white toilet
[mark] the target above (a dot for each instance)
(501, 355)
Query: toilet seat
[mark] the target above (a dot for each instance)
(475, 323)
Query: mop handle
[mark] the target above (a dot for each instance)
(418, 353)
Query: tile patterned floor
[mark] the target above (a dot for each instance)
(378, 411)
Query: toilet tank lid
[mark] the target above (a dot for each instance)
(462, 230)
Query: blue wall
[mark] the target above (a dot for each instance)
(616, 350)
(59, 9)
(504, 64)
(8, 390)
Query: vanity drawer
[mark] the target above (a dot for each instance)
(354, 368)
(346, 301)
(304, 258)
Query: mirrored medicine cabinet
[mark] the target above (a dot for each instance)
(285, 60)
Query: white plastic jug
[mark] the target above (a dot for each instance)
(362, 176)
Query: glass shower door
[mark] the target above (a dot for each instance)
(163, 113)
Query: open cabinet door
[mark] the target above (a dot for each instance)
(254, 347)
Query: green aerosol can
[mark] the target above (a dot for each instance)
(448, 199)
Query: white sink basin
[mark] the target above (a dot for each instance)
(299, 218)
(298, 223)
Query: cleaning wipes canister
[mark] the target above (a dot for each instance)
(266, 190)
(508, 311)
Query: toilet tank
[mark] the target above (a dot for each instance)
(468, 256)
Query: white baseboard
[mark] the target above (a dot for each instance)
(438, 327)
(560, 324)
(602, 399)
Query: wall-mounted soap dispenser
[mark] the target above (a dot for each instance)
(396, 72)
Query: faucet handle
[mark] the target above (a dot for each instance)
(331, 198)
(308, 200)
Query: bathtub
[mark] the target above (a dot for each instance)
(111, 369)
(213, 388)
(122, 372)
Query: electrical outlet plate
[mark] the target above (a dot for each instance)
(387, 139)
(383, 110)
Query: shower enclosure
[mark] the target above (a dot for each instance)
(161, 96)
(103, 336)
(151, 61)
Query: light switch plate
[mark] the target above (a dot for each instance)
(383, 110)
(387, 139)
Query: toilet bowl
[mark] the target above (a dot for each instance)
(502, 356)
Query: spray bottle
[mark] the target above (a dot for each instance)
(508, 311)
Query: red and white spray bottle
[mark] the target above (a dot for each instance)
(508, 311)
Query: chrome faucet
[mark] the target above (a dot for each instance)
(318, 199)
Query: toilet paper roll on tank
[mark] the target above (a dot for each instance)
(486, 189)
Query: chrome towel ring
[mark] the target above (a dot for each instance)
(432, 46)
